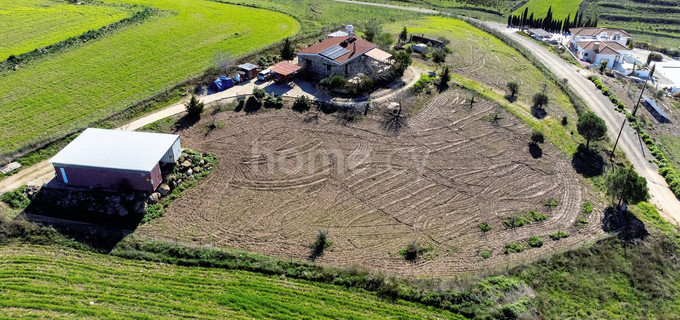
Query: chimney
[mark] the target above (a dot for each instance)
(596, 47)
(354, 48)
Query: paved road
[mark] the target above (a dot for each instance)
(42, 172)
(633, 147)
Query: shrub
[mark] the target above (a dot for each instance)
(537, 216)
(537, 137)
(259, 93)
(535, 241)
(513, 87)
(540, 100)
(273, 102)
(252, 104)
(654, 56)
(336, 82)
(321, 241)
(513, 247)
(552, 202)
(16, 199)
(587, 207)
(364, 85)
(485, 254)
(605, 91)
(558, 235)
(421, 84)
(194, 107)
(565, 121)
(411, 252)
(515, 221)
(302, 103)
(484, 226)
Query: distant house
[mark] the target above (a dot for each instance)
(111, 159)
(427, 41)
(539, 34)
(347, 56)
(595, 45)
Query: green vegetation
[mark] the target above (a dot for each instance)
(413, 250)
(625, 185)
(559, 235)
(587, 207)
(591, 127)
(560, 9)
(524, 218)
(486, 254)
(484, 226)
(513, 247)
(16, 199)
(62, 92)
(551, 203)
(58, 21)
(98, 286)
(653, 22)
(535, 241)
(194, 107)
(671, 147)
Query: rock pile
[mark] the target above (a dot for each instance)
(184, 169)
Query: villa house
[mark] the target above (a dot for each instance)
(347, 56)
(595, 45)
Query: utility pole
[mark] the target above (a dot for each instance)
(634, 111)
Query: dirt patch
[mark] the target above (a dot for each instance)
(282, 175)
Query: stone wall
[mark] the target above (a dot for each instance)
(320, 67)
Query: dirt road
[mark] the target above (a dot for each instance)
(41, 173)
(630, 144)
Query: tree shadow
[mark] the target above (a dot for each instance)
(394, 122)
(535, 150)
(185, 122)
(587, 162)
(252, 105)
(538, 112)
(442, 86)
(510, 98)
(623, 223)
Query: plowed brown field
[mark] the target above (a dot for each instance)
(280, 177)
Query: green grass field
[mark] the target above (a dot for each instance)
(560, 9)
(53, 282)
(31, 24)
(65, 91)
(487, 60)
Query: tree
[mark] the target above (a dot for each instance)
(603, 65)
(591, 127)
(402, 60)
(287, 50)
(444, 76)
(403, 35)
(540, 100)
(384, 40)
(439, 56)
(194, 107)
(259, 93)
(627, 186)
(537, 137)
(654, 56)
(513, 87)
(373, 28)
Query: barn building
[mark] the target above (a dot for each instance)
(346, 56)
(110, 159)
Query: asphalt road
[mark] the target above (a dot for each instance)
(629, 143)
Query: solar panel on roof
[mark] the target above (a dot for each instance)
(333, 52)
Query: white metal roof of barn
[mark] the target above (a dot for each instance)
(115, 149)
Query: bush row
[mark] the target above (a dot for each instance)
(666, 169)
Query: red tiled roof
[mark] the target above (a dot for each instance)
(606, 47)
(285, 68)
(362, 46)
(595, 31)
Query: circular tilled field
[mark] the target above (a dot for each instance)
(281, 176)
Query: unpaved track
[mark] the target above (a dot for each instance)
(283, 175)
(636, 151)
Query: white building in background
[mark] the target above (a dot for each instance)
(595, 45)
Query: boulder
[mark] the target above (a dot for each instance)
(186, 164)
(197, 169)
(139, 207)
(164, 189)
(202, 162)
(190, 172)
(154, 197)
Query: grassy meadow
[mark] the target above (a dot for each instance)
(560, 9)
(490, 63)
(52, 282)
(31, 24)
(65, 91)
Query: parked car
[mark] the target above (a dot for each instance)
(265, 75)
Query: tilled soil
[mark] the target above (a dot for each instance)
(282, 175)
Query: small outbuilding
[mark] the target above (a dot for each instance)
(112, 159)
(655, 110)
(249, 69)
(284, 71)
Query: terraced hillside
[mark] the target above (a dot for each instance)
(56, 283)
(64, 91)
(655, 22)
